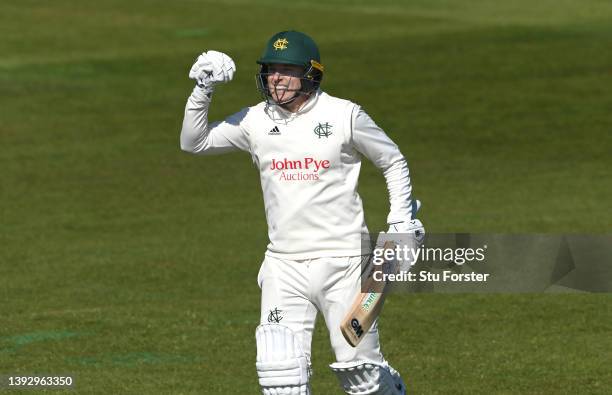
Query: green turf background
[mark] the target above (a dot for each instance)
(132, 266)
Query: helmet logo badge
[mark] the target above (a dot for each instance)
(280, 44)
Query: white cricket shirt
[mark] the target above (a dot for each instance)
(309, 165)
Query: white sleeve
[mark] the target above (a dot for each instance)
(199, 137)
(374, 144)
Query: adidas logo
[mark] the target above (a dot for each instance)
(275, 131)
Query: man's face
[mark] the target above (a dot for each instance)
(284, 81)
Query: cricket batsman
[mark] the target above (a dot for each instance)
(307, 146)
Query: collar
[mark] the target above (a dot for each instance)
(279, 114)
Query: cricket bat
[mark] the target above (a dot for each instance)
(367, 305)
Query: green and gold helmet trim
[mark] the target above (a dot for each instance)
(317, 65)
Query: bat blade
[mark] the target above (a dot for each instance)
(366, 306)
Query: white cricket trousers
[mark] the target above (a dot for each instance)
(293, 291)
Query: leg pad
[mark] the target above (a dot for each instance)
(281, 364)
(366, 378)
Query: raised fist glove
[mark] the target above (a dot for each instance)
(212, 68)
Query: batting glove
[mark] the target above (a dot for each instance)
(212, 68)
(408, 236)
(413, 226)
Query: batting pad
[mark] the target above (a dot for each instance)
(281, 364)
(364, 378)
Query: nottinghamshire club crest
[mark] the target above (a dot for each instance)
(323, 130)
(280, 44)
(275, 316)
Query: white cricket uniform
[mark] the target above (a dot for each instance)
(309, 165)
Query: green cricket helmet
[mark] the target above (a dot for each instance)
(293, 48)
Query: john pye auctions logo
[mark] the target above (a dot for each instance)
(312, 165)
(306, 163)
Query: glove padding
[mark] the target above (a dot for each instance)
(212, 68)
(409, 234)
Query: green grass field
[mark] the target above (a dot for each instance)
(132, 265)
